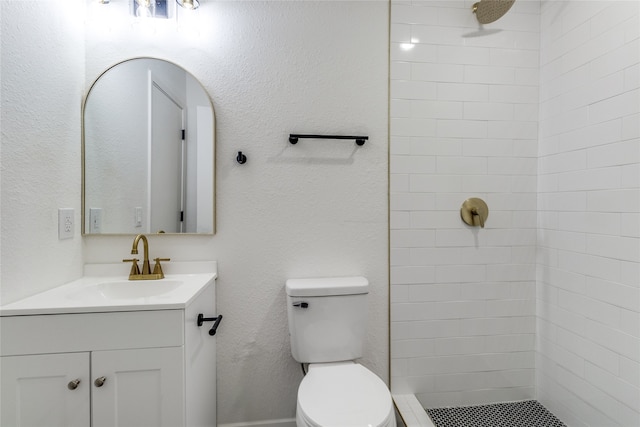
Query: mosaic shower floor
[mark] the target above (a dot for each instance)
(528, 413)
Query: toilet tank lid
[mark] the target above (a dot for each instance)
(327, 286)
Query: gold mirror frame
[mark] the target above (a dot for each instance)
(85, 208)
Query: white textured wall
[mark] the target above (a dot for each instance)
(589, 213)
(463, 124)
(42, 80)
(317, 208)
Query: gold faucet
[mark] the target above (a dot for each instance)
(146, 273)
(146, 268)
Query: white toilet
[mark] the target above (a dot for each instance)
(327, 325)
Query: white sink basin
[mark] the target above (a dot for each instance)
(129, 289)
(102, 293)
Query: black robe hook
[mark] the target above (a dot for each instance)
(241, 158)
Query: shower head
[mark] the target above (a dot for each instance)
(488, 11)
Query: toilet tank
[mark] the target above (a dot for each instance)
(327, 318)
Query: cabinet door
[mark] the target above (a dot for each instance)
(40, 390)
(141, 388)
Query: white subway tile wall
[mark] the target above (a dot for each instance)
(588, 296)
(542, 120)
(464, 123)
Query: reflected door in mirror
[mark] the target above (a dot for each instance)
(166, 177)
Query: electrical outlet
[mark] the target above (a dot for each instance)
(66, 223)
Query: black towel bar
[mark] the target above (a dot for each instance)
(360, 140)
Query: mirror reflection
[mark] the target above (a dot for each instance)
(148, 151)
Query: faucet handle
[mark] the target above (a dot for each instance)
(157, 269)
(134, 268)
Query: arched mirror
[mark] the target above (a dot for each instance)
(148, 151)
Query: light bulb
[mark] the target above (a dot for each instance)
(189, 4)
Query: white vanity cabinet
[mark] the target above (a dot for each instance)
(34, 390)
(142, 387)
(139, 388)
(152, 368)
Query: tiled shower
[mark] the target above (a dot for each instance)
(538, 115)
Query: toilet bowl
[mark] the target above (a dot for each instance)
(343, 394)
(327, 326)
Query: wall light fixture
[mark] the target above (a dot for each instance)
(189, 4)
(150, 8)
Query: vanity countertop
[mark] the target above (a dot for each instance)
(101, 291)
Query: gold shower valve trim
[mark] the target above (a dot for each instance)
(474, 212)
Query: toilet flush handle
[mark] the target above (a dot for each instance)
(301, 304)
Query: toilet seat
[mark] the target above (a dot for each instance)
(344, 394)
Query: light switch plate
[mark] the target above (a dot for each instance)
(137, 222)
(66, 223)
(95, 220)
